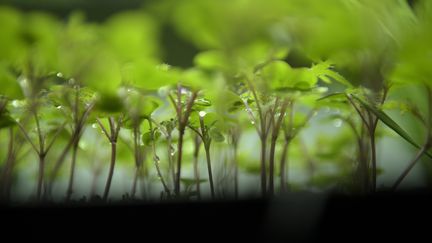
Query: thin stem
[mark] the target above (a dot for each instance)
(179, 103)
(263, 138)
(39, 132)
(113, 140)
(48, 148)
(27, 137)
(236, 173)
(420, 153)
(235, 134)
(111, 170)
(104, 130)
(271, 166)
(157, 160)
(4, 180)
(179, 159)
(207, 143)
(183, 120)
(137, 155)
(263, 166)
(135, 182)
(197, 145)
(275, 134)
(41, 176)
(284, 165)
(260, 113)
(170, 154)
(289, 134)
(209, 168)
(358, 111)
(251, 116)
(373, 158)
(425, 147)
(75, 136)
(72, 171)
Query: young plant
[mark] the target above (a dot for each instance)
(370, 121)
(208, 132)
(290, 131)
(76, 103)
(152, 136)
(112, 136)
(41, 150)
(233, 138)
(183, 108)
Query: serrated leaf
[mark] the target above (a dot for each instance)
(323, 71)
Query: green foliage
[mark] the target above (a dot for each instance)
(319, 69)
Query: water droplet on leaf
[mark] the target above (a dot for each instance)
(337, 122)
(202, 113)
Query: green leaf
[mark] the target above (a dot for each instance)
(324, 71)
(103, 74)
(210, 60)
(6, 121)
(9, 85)
(195, 78)
(109, 103)
(134, 28)
(202, 102)
(278, 74)
(149, 75)
(389, 122)
(146, 139)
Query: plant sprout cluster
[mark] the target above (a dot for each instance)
(276, 87)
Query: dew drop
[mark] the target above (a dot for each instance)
(94, 125)
(337, 122)
(202, 113)
(252, 122)
(83, 145)
(15, 103)
(322, 89)
(59, 107)
(60, 75)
